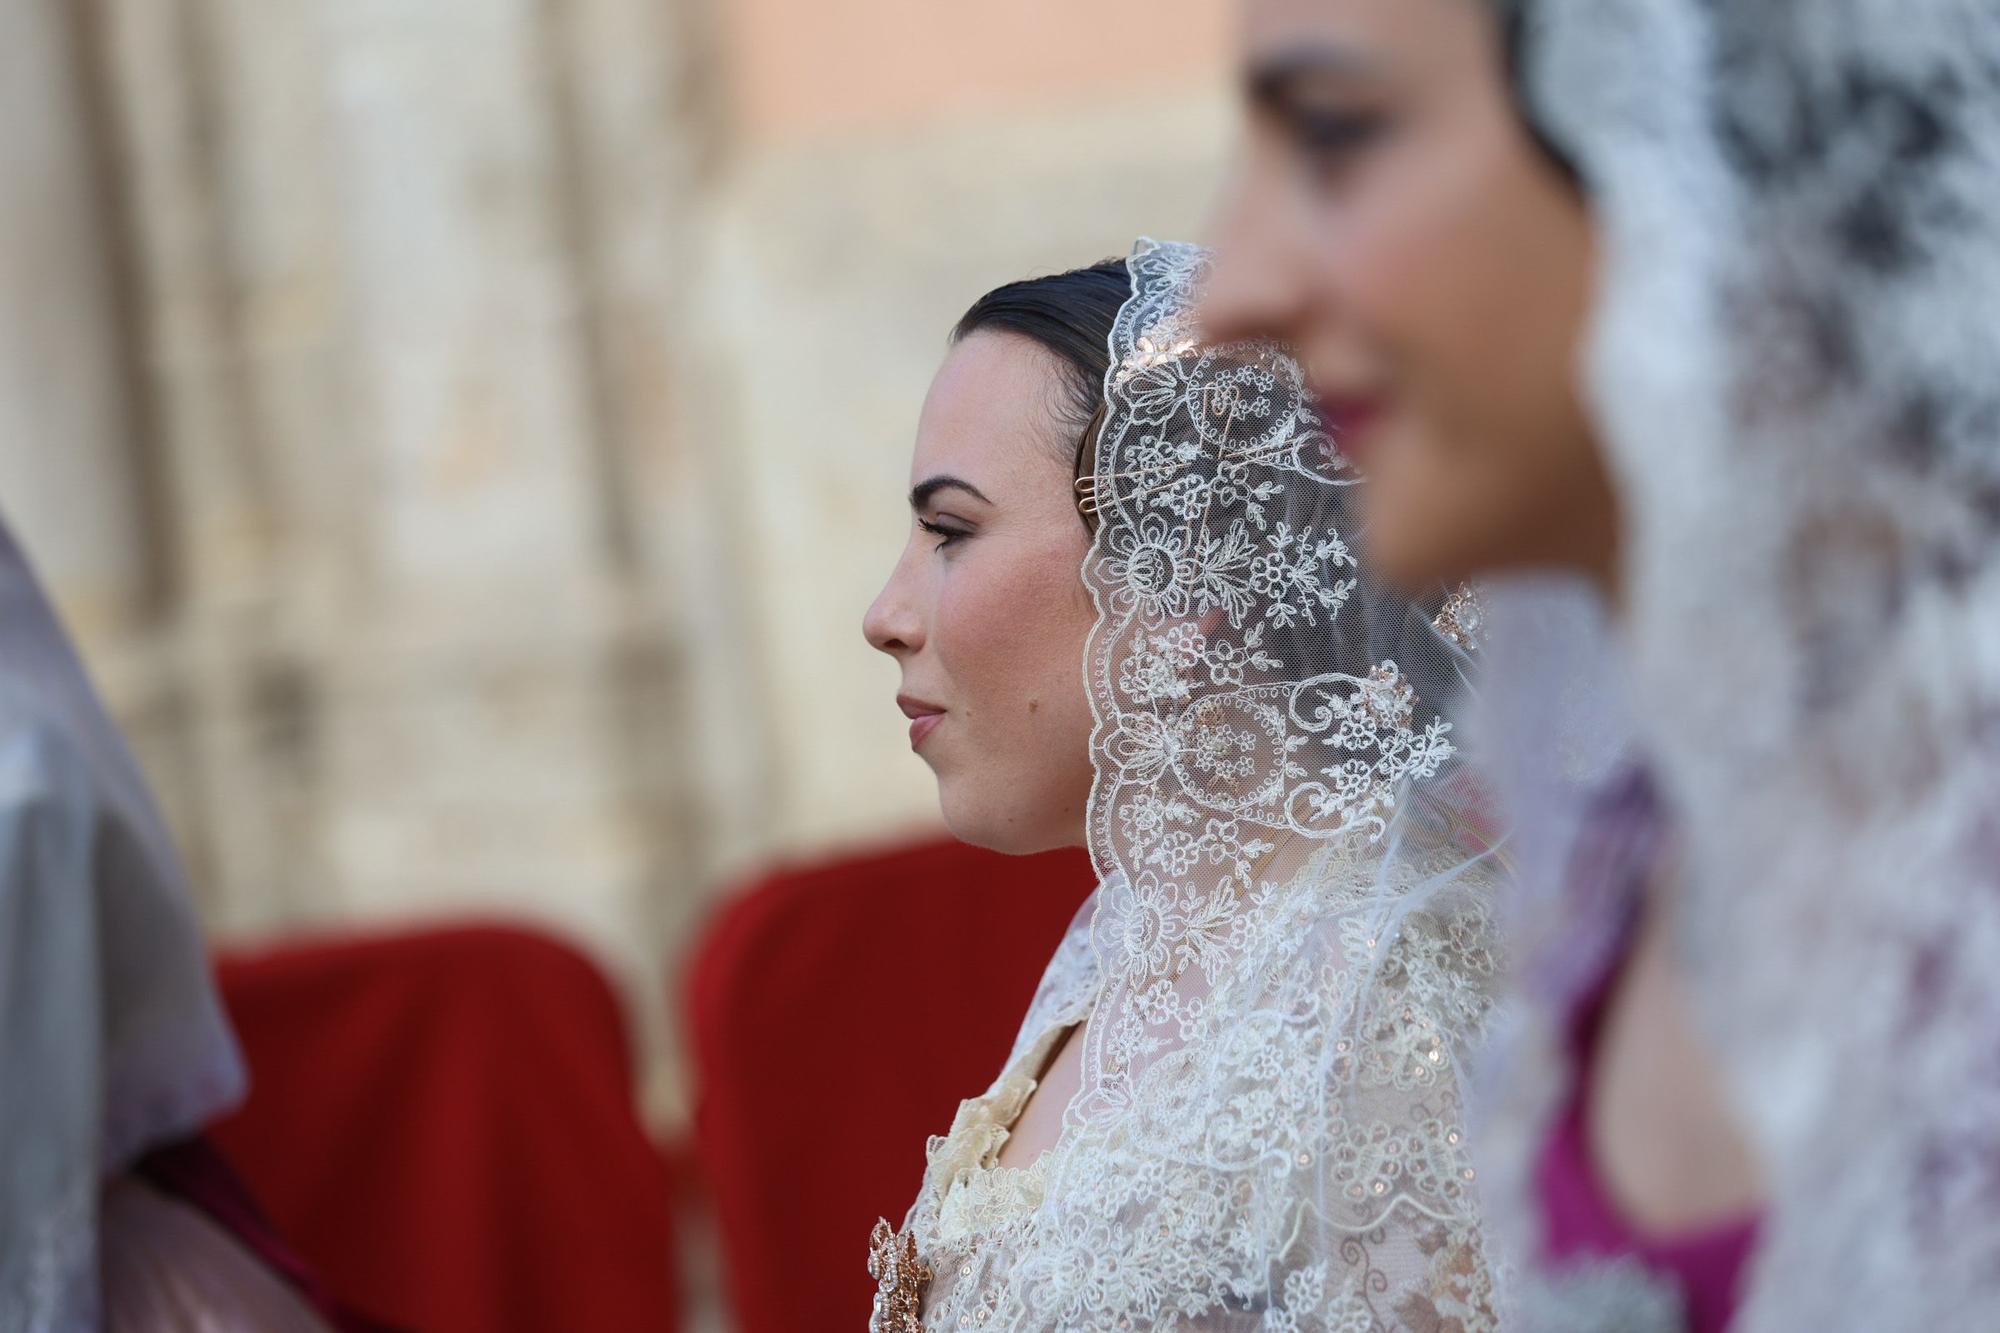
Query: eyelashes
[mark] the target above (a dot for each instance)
(1329, 140)
(947, 536)
(1336, 129)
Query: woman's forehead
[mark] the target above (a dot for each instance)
(988, 413)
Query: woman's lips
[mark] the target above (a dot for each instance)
(1350, 419)
(923, 716)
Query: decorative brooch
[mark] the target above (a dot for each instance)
(900, 1281)
(1461, 618)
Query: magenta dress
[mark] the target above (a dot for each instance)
(186, 1246)
(1580, 1221)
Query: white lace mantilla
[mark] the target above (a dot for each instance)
(1288, 951)
(1266, 1137)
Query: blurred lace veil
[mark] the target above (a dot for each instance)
(1796, 370)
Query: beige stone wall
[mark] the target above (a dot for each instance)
(466, 434)
(66, 409)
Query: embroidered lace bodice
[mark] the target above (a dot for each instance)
(1281, 1126)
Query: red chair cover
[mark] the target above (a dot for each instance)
(443, 1125)
(837, 1017)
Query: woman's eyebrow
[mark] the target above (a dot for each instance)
(1272, 80)
(922, 493)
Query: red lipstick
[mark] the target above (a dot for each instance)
(1350, 420)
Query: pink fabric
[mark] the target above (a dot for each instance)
(195, 1174)
(1580, 1220)
(165, 1266)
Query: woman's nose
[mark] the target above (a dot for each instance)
(1248, 294)
(890, 626)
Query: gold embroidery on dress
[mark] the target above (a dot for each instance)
(900, 1280)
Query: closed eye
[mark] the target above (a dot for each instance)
(1335, 131)
(1326, 142)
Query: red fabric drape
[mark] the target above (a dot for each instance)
(837, 1016)
(443, 1125)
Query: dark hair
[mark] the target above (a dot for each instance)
(1068, 315)
(1517, 20)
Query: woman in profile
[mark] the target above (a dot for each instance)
(1131, 615)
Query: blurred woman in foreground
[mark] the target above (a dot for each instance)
(1693, 302)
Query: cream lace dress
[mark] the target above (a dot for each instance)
(1287, 1166)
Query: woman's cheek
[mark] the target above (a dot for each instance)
(977, 609)
(1033, 619)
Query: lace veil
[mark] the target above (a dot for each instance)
(1796, 366)
(1289, 947)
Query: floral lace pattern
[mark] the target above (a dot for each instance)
(1617, 1294)
(1265, 1138)
(1290, 948)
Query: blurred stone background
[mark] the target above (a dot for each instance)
(465, 433)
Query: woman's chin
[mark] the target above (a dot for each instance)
(1414, 565)
(1010, 830)
(1415, 548)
